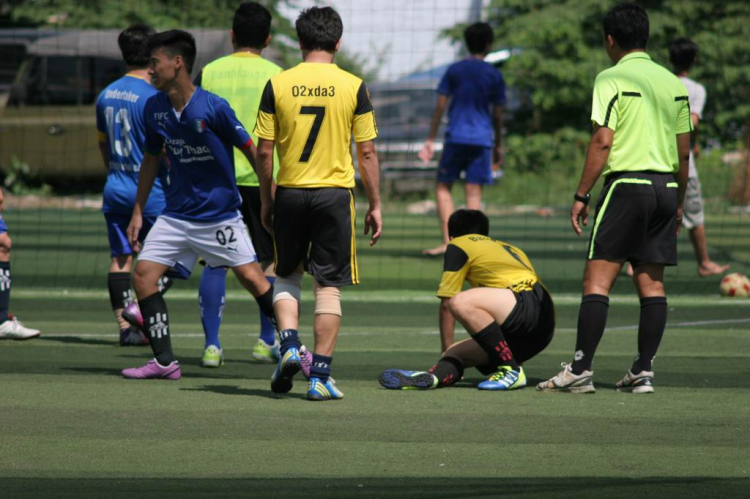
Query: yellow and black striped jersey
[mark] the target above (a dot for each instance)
(485, 262)
(311, 111)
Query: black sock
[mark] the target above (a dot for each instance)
(650, 331)
(164, 284)
(321, 367)
(592, 319)
(120, 292)
(156, 327)
(265, 302)
(448, 371)
(289, 338)
(4, 290)
(493, 342)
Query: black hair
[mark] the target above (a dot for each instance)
(133, 44)
(176, 42)
(479, 37)
(251, 25)
(627, 23)
(682, 52)
(464, 222)
(319, 28)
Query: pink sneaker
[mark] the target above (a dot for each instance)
(152, 370)
(132, 314)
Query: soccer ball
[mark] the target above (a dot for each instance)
(735, 284)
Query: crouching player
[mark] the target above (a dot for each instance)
(508, 313)
(201, 215)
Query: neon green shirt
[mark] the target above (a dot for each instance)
(646, 107)
(240, 79)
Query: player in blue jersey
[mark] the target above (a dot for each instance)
(121, 129)
(199, 130)
(473, 139)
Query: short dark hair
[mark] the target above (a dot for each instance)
(251, 25)
(133, 44)
(464, 222)
(176, 42)
(627, 23)
(319, 28)
(479, 37)
(682, 52)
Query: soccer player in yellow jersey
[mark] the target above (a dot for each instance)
(309, 114)
(508, 313)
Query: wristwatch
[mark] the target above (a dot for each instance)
(583, 199)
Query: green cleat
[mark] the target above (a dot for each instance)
(265, 353)
(212, 357)
(506, 378)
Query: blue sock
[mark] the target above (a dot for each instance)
(321, 367)
(267, 330)
(211, 293)
(289, 339)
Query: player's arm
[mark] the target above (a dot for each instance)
(146, 178)
(264, 170)
(101, 133)
(596, 158)
(428, 150)
(251, 153)
(447, 325)
(497, 125)
(455, 270)
(369, 172)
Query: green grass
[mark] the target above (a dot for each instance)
(72, 427)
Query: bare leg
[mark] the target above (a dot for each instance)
(326, 333)
(706, 267)
(474, 196)
(477, 308)
(288, 310)
(599, 276)
(252, 278)
(146, 278)
(469, 353)
(445, 210)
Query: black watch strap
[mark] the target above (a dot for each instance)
(583, 199)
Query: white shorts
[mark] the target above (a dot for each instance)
(178, 244)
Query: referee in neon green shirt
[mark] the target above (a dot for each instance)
(240, 78)
(641, 144)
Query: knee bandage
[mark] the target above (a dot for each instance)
(327, 299)
(288, 288)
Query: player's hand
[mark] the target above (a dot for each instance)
(579, 213)
(428, 150)
(134, 230)
(374, 221)
(497, 157)
(266, 216)
(679, 220)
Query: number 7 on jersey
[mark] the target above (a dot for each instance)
(320, 113)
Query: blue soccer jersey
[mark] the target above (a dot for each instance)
(473, 86)
(200, 141)
(120, 122)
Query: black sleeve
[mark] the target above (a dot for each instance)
(364, 105)
(268, 99)
(455, 259)
(198, 79)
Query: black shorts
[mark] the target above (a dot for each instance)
(317, 227)
(636, 219)
(250, 209)
(529, 327)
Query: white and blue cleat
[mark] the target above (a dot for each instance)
(323, 391)
(506, 378)
(289, 364)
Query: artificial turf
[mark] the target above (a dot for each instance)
(71, 427)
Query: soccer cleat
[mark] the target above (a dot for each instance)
(566, 381)
(306, 358)
(212, 357)
(642, 382)
(265, 353)
(132, 337)
(152, 370)
(288, 366)
(506, 378)
(13, 329)
(132, 314)
(396, 379)
(318, 390)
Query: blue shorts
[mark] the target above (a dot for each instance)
(476, 161)
(117, 227)
(3, 227)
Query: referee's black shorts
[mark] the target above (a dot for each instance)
(636, 219)
(316, 227)
(250, 209)
(529, 327)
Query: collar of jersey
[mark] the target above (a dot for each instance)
(634, 55)
(186, 105)
(332, 64)
(248, 55)
(129, 75)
